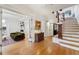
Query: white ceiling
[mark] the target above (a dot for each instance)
(35, 9)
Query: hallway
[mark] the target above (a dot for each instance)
(45, 47)
(48, 29)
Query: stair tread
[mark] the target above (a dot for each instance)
(71, 28)
(69, 42)
(71, 47)
(70, 25)
(70, 35)
(70, 31)
(68, 38)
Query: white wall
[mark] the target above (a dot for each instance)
(69, 8)
(43, 23)
(75, 10)
(0, 23)
(0, 28)
(26, 22)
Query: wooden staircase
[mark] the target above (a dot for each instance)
(70, 34)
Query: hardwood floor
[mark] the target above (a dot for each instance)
(46, 47)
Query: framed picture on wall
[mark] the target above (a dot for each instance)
(37, 25)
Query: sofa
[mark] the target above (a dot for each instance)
(17, 36)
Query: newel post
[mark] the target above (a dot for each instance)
(60, 31)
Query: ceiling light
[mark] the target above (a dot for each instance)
(3, 21)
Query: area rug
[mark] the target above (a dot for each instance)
(8, 41)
